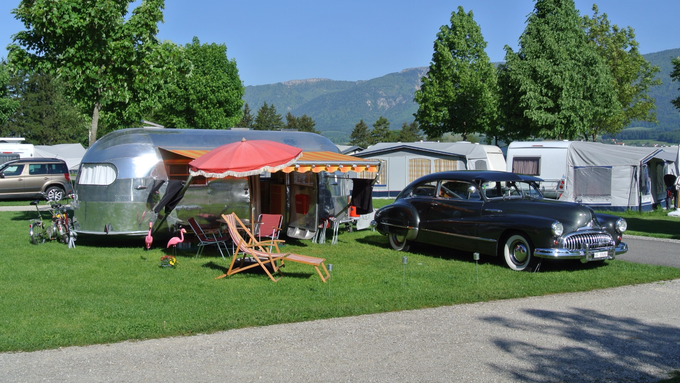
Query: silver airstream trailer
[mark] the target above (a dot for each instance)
(131, 177)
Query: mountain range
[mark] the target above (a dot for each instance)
(337, 106)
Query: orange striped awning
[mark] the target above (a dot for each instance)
(310, 161)
(332, 162)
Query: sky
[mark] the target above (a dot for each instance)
(275, 41)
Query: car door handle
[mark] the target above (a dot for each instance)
(140, 187)
(494, 210)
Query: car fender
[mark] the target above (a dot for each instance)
(401, 219)
(537, 229)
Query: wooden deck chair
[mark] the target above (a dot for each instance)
(208, 237)
(268, 227)
(256, 250)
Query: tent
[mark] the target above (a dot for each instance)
(616, 177)
(71, 153)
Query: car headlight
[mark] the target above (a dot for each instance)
(621, 225)
(557, 228)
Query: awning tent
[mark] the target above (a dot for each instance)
(72, 154)
(614, 177)
(309, 161)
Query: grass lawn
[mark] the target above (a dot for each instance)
(655, 224)
(112, 291)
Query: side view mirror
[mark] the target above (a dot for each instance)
(2, 174)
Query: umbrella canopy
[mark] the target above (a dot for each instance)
(244, 158)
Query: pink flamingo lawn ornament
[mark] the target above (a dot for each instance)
(175, 240)
(149, 239)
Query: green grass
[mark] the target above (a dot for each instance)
(106, 292)
(655, 224)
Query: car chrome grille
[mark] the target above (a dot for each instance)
(589, 240)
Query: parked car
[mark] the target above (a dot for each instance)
(498, 213)
(29, 177)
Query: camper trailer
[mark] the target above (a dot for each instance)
(602, 176)
(403, 162)
(126, 177)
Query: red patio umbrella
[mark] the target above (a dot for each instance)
(244, 158)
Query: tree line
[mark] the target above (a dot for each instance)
(572, 77)
(82, 69)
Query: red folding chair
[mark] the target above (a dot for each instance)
(268, 227)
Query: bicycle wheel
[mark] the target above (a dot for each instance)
(37, 233)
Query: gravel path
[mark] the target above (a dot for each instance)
(629, 333)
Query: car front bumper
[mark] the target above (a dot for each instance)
(585, 255)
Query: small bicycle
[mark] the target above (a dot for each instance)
(59, 228)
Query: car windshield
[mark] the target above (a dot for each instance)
(510, 189)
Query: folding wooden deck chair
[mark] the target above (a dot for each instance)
(208, 237)
(256, 250)
(268, 227)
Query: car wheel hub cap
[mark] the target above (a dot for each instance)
(520, 253)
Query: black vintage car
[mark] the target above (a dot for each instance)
(498, 213)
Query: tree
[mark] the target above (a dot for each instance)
(247, 120)
(307, 124)
(633, 74)
(44, 116)
(360, 135)
(7, 104)
(268, 119)
(208, 96)
(409, 132)
(381, 131)
(105, 57)
(291, 121)
(556, 86)
(458, 94)
(675, 75)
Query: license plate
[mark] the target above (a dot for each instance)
(600, 254)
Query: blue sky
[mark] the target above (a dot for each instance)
(274, 41)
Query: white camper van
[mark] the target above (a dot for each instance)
(604, 176)
(544, 159)
(12, 145)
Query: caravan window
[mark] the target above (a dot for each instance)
(530, 166)
(593, 181)
(97, 174)
(418, 167)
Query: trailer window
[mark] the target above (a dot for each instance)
(97, 174)
(530, 166)
(592, 181)
(418, 167)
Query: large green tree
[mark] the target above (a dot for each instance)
(381, 131)
(360, 135)
(458, 94)
(675, 75)
(633, 74)
(208, 96)
(267, 118)
(409, 132)
(556, 86)
(7, 103)
(107, 57)
(44, 116)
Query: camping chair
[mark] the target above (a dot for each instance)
(256, 250)
(208, 237)
(269, 227)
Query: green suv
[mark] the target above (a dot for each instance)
(29, 177)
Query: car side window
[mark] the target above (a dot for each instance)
(35, 169)
(424, 190)
(57, 168)
(13, 170)
(457, 190)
